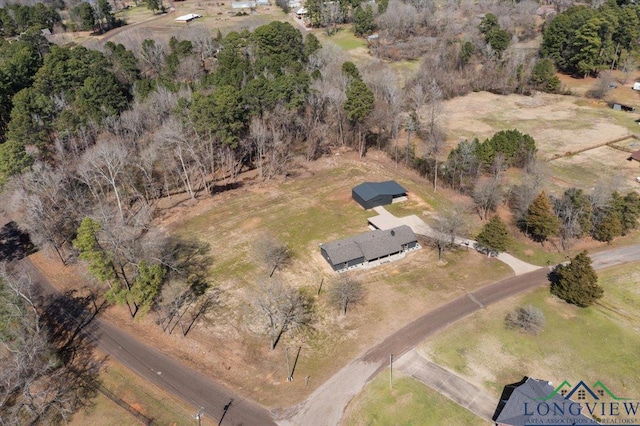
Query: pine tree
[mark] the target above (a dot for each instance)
(576, 282)
(608, 227)
(540, 221)
(494, 235)
(99, 260)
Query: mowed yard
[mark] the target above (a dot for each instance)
(596, 343)
(313, 207)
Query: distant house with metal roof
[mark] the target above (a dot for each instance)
(373, 194)
(369, 249)
(534, 401)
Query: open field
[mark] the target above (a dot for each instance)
(561, 125)
(588, 168)
(408, 403)
(596, 343)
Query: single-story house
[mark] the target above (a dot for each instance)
(370, 247)
(301, 13)
(533, 401)
(373, 194)
(188, 18)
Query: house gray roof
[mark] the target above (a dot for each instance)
(370, 190)
(532, 392)
(371, 245)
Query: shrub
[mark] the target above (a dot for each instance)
(528, 319)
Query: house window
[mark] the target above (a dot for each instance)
(600, 392)
(563, 392)
(581, 394)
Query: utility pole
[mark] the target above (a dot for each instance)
(198, 416)
(390, 371)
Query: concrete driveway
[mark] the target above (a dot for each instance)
(386, 220)
(454, 387)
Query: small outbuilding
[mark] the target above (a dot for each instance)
(373, 194)
(635, 155)
(636, 85)
(369, 249)
(621, 107)
(188, 18)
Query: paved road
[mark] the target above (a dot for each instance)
(326, 405)
(173, 376)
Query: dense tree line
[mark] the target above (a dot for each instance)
(95, 16)
(574, 215)
(507, 148)
(16, 19)
(583, 41)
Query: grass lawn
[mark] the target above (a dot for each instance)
(344, 38)
(596, 343)
(408, 403)
(140, 395)
(529, 251)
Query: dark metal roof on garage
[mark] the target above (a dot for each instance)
(371, 245)
(369, 190)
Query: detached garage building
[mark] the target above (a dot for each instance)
(373, 194)
(369, 249)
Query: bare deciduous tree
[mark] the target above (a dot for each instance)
(47, 206)
(283, 308)
(270, 251)
(187, 293)
(49, 370)
(602, 86)
(104, 164)
(346, 292)
(447, 226)
(487, 195)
